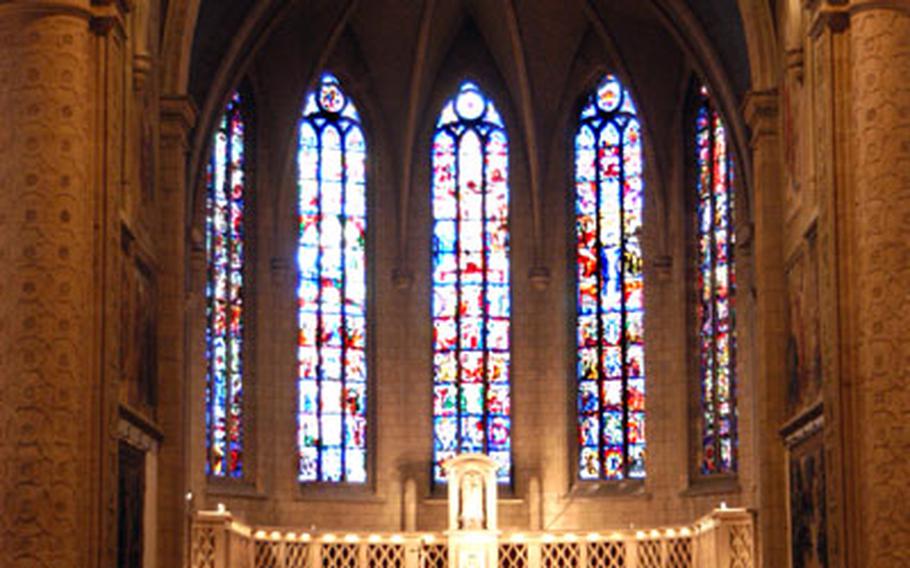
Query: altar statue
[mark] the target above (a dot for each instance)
(472, 502)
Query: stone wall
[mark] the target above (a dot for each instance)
(398, 124)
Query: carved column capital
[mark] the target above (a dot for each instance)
(178, 117)
(110, 16)
(663, 267)
(402, 278)
(796, 62)
(142, 68)
(761, 109)
(539, 276)
(279, 265)
(745, 234)
(830, 16)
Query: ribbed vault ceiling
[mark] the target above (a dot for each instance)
(392, 26)
(400, 53)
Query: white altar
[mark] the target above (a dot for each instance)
(472, 533)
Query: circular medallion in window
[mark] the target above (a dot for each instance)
(331, 99)
(609, 95)
(470, 104)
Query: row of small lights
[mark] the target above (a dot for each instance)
(349, 538)
(518, 537)
(430, 539)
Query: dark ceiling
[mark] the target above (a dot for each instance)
(722, 23)
(219, 22)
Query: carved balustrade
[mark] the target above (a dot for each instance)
(722, 539)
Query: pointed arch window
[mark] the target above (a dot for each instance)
(716, 286)
(609, 202)
(471, 287)
(224, 291)
(331, 291)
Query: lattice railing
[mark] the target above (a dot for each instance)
(434, 556)
(296, 555)
(741, 546)
(385, 556)
(723, 539)
(337, 555)
(649, 554)
(606, 554)
(267, 554)
(677, 553)
(203, 549)
(513, 555)
(560, 554)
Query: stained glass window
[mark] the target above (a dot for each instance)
(609, 201)
(224, 245)
(716, 283)
(331, 289)
(471, 295)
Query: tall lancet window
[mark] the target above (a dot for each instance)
(471, 298)
(331, 289)
(716, 284)
(609, 201)
(225, 255)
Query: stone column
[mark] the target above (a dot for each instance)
(880, 51)
(48, 318)
(177, 118)
(761, 110)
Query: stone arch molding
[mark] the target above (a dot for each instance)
(438, 28)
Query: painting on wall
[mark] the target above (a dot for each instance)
(804, 376)
(808, 517)
(138, 357)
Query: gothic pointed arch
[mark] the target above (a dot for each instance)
(471, 306)
(225, 290)
(332, 368)
(610, 354)
(714, 266)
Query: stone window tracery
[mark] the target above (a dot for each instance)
(716, 287)
(224, 292)
(471, 306)
(609, 204)
(331, 288)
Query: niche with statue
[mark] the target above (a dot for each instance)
(472, 530)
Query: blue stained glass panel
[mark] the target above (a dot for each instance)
(331, 292)
(471, 294)
(225, 256)
(716, 285)
(609, 209)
